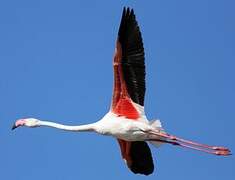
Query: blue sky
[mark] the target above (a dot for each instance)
(56, 64)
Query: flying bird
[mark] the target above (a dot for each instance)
(126, 120)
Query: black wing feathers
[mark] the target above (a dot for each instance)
(133, 69)
(141, 156)
(132, 62)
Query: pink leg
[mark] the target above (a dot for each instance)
(200, 145)
(190, 144)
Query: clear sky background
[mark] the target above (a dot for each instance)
(56, 64)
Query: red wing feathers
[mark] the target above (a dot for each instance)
(129, 88)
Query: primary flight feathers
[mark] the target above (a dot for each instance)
(132, 60)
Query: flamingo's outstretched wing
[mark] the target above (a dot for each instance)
(129, 89)
(129, 66)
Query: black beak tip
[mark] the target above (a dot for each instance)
(13, 127)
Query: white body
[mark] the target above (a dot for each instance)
(126, 129)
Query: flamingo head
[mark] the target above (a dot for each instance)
(29, 122)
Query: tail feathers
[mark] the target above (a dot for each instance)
(156, 123)
(158, 126)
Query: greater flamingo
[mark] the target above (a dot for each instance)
(126, 119)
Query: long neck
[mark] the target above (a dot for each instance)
(87, 127)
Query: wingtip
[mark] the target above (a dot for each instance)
(128, 10)
(132, 11)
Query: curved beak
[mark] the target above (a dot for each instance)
(18, 123)
(14, 126)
